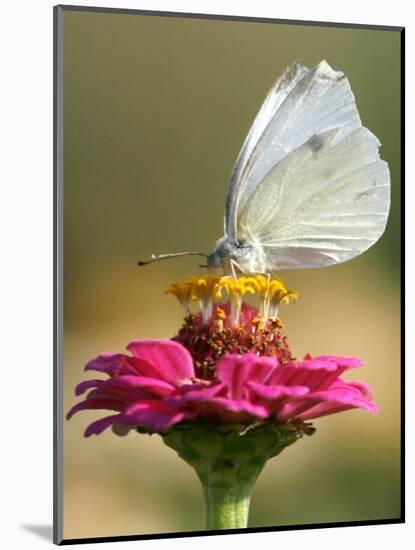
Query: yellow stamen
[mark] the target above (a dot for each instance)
(219, 318)
(220, 313)
(183, 292)
(237, 288)
(207, 290)
(278, 296)
(273, 292)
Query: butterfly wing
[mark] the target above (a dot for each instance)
(312, 191)
(276, 96)
(324, 203)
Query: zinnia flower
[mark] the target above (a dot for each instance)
(230, 367)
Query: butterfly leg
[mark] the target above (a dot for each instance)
(234, 266)
(266, 274)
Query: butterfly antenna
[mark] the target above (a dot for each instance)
(157, 257)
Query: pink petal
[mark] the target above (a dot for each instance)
(196, 386)
(332, 407)
(113, 364)
(119, 392)
(342, 361)
(290, 409)
(86, 385)
(315, 374)
(317, 363)
(100, 425)
(364, 388)
(240, 406)
(343, 393)
(154, 415)
(275, 391)
(132, 383)
(163, 359)
(235, 370)
(97, 403)
(323, 403)
(110, 363)
(208, 404)
(200, 394)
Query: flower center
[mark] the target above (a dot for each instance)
(226, 324)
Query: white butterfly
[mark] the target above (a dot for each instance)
(308, 188)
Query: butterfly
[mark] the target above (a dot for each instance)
(308, 188)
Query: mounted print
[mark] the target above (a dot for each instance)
(227, 289)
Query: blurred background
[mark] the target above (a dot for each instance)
(155, 112)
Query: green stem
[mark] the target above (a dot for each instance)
(228, 459)
(226, 507)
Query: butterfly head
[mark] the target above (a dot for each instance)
(246, 256)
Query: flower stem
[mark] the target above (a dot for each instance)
(228, 459)
(226, 507)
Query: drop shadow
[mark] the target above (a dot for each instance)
(43, 531)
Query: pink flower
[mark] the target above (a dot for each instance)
(229, 363)
(156, 387)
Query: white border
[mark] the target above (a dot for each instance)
(26, 231)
